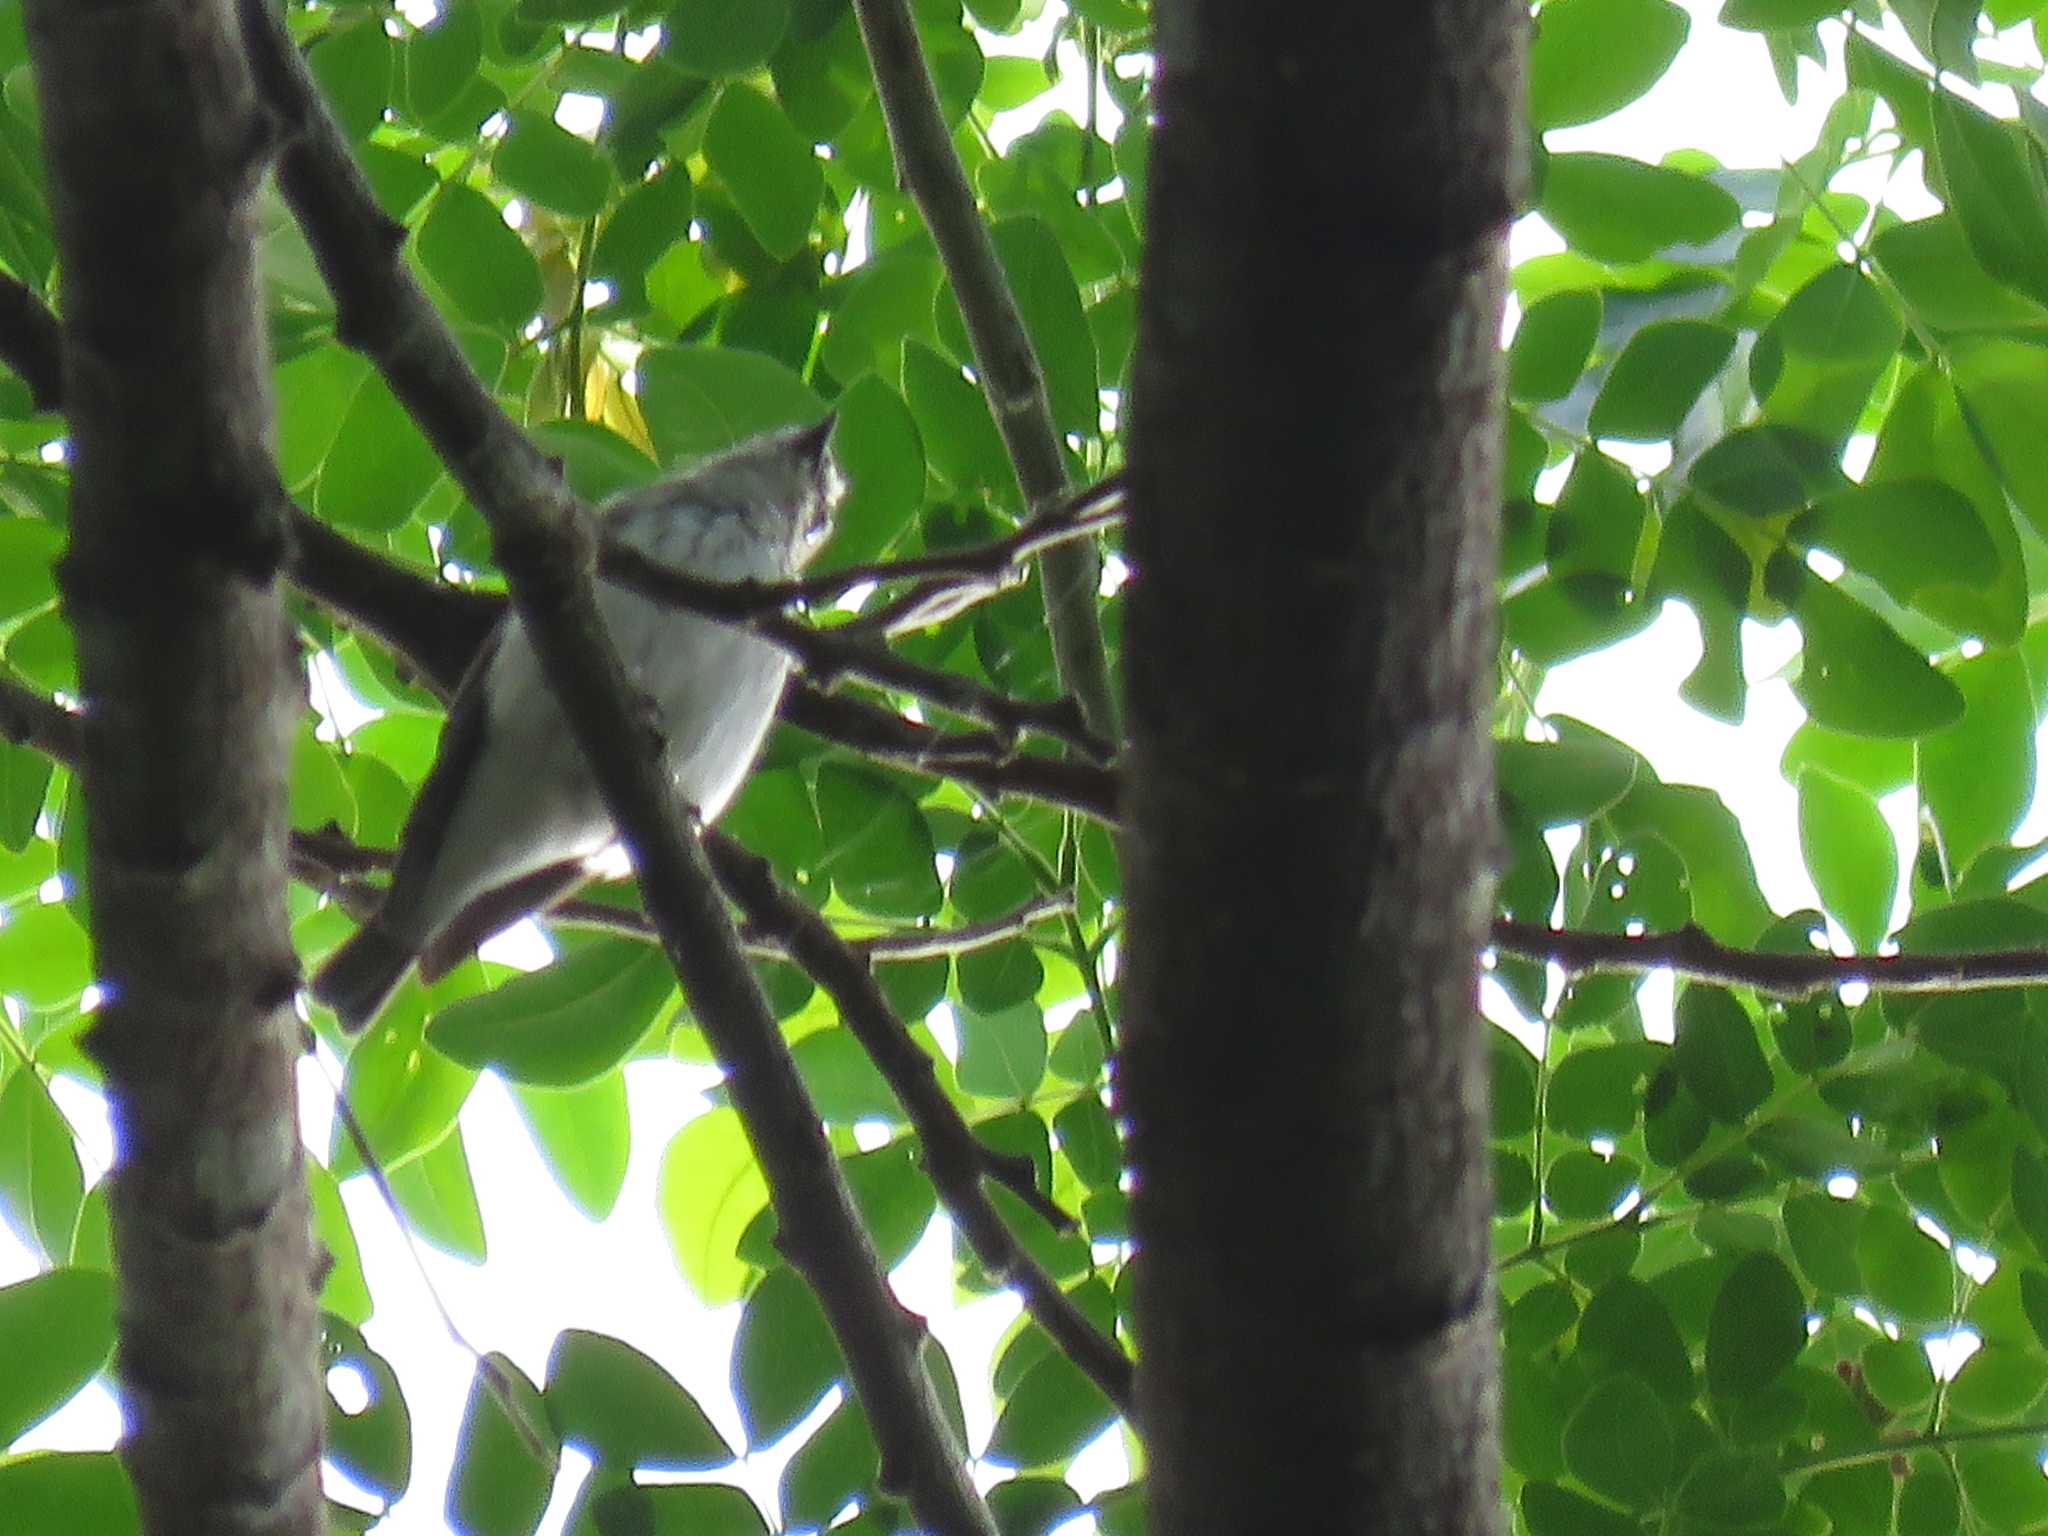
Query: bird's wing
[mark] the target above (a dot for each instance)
(462, 739)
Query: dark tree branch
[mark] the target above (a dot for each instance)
(1693, 953)
(155, 145)
(546, 546)
(954, 1158)
(435, 626)
(32, 343)
(981, 761)
(1070, 575)
(32, 719)
(830, 653)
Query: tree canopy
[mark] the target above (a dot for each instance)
(505, 232)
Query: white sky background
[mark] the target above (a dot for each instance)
(549, 1268)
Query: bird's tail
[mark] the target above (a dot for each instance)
(359, 978)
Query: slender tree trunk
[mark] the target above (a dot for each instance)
(155, 151)
(1310, 648)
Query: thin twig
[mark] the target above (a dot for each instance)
(827, 654)
(1693, 953)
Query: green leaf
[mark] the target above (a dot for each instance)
(565, 1024)
(60, 1493)
(374, 1444)
(1850, 853)
(41, 1183)
(584, 1136)
(1589, 58)
(1620, 210)
(1928, 435)
(379, 468)
(344, 1293)
(1929, 1502)
(1598, 520)
(1552, 341)
(1581, 1185)
(1907, 535)
(845, 1085)
(774, 178)
(1976, 778)
(2030, 1195)
(1815, 363)
(725, 37)
(56, 1333)
(960, 438)
(878, 847)
(1991, 190)
(1908, 1274)
(1055, 1410)
(1999, 1383)
(1717, 1054)
(838, 1462)
(1999, 383)
(2003, 1491)
(1595, 1090)
(437, 1198)
(1775, 15)
(505, 1453)
(1002, 1055)
(1897, 1373)
(1050, 305)
(1756, 1329)
(783, 1357)
(1943, 285)
(441, 59)
(405, 1097)
(649, 219)
(596, 461)
(353, 65)
(1627, 1327)
(1766, 470)
(1857, 675)
(877, 447)
(623, 1408)
(1549, 1510)
(1658, 378)
(1513, 1072)
(546, 163)
(1618, 1442)
(710, 1190)
(678, 1509)
(1730, 1489)
(699, 400)
(483, 267)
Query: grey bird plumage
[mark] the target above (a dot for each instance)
(509, 812)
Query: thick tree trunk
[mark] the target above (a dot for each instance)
(1310, 649)
(155, 150)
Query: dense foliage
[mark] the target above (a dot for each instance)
(1856, 420)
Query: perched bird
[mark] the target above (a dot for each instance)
(509, 812)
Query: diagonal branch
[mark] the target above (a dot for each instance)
(1070, 574)
(546, 546)
(955, 1160)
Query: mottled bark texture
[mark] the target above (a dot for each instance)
(1310, 645)
(155, 148)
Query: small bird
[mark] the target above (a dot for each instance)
(509, 812)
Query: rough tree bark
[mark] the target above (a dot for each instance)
(1309, 648)
(190, 686)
